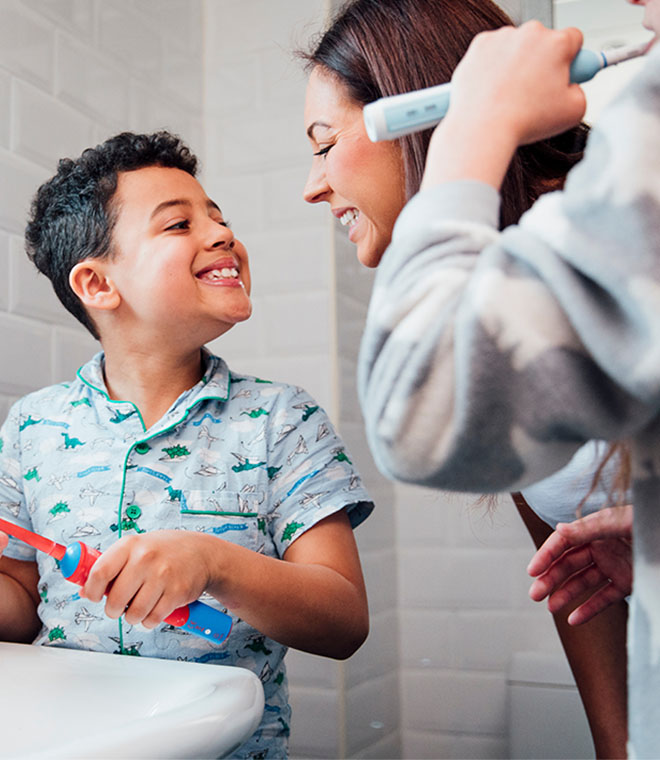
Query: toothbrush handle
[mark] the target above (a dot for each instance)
(196, 617)
(399, 115)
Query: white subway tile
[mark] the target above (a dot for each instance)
(31, 293)
(88, 82)
(76, 15)
(309, 671)
(298, 323)
(284, 81)
(314, 723)
(380, 575)
(72, 349)
(151, 111)
(5, 110)
(180, 21)
(283, 201)
(431, 746)
(264, 140)
(130, 40)
(288, 27)
(387, 748)
(290, 260)
(45, 130)
(182, 75)
(454, 578)
(473, 703)
(239, 195)
(26, 43)
(372, 712)
(25, 348)
(379, 655)
(20, 180)
(426, 517)
(4, 271)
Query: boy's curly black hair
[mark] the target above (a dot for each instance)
(72, 215)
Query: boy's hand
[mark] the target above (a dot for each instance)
(151, 575)
(592, 554)
(517, 80)
(4, 540)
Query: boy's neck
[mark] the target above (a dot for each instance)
(151, 381)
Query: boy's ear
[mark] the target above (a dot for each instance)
(95, 289)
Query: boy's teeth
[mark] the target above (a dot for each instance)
(224, 273)
(350, 216)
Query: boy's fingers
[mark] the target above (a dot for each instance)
(142, 606)
(4, 541)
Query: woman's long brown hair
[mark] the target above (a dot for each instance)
(377, 48)
(384, 47)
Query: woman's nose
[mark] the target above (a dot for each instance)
(316, 188)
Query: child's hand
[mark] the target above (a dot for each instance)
(4, 540)
(151, 575)
(518, 80)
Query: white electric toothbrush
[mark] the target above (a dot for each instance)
(398, 115)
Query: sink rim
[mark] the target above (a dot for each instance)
(125, 738)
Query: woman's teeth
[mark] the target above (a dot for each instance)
(349, 217)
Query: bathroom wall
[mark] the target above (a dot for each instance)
(72, 72)
(310, 297)
(446, 579)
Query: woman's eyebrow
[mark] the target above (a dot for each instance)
(314, 125)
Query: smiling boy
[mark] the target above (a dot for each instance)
(192, 480)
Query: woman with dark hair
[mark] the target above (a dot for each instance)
(376, 48)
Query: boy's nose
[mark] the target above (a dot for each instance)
(221, 237)
(316, 188)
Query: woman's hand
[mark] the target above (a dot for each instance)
(592, 554)
(151, 575)
(517, 80)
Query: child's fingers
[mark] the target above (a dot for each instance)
(4, 541)
(105, 571)
(143, 605)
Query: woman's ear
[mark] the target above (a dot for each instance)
(91, 283)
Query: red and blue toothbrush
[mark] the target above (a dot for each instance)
(76, 561)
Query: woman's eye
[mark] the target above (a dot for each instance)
(183, 225)
(324, 151)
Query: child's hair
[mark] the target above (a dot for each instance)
(377, 48)
(72, 216)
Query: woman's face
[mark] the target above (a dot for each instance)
(362, 181)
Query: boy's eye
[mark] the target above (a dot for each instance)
(183, 225)
(224, 223)
(324, 151)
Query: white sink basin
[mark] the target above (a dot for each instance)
(64, 703)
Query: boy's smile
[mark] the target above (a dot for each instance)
(178, 267)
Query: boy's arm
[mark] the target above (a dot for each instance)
(314, 600)
(19, 598)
